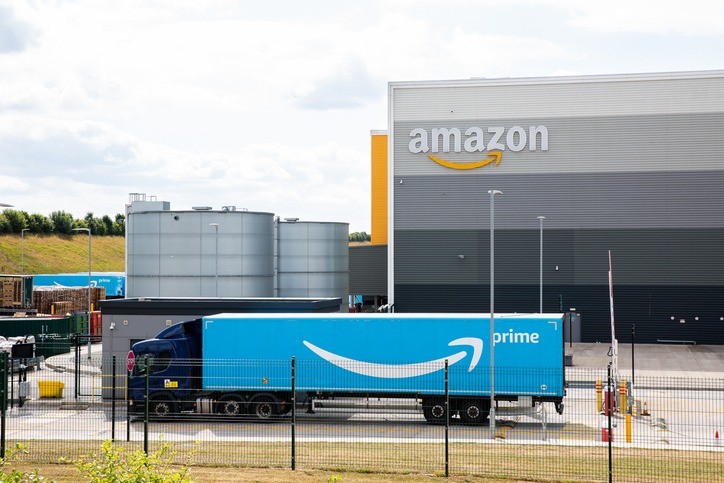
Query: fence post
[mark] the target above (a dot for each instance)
(609, 412)
(145, 408)
(128, 406)
(294, 413)
(447, 421)
(12, 383)
(3, 402)
(76, 364)
(113, 401)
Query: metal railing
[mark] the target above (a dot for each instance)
(662, 429)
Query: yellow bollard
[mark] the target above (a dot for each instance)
(623, 397)
(628, 428)
(599, 396)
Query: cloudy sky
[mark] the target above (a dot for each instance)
(269, 105)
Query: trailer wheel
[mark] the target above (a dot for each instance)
(474, 411)
(162, 407)
(264, 406)
(230, 406)
(434, 411)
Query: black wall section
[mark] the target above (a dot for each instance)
(669, 283)
(650, 308)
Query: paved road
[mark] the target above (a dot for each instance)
(676, 360)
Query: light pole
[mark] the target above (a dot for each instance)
(22, 248)
(540, 304)
(492, 194)
(216, 258)
(89, 285)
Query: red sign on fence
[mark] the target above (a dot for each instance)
(131, 361)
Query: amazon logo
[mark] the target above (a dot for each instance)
(400, 371)
(489, 143)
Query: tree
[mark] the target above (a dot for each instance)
(4, 224)
(62, 222)
(119, 226)
(40, 224)
(96, 225)
(107, 224)
(17, 219)
(359, 237)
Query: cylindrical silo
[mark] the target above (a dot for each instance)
(199, 253)
(313, 260)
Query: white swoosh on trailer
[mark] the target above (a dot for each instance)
(400, 371)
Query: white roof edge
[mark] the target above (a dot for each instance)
(569, 79)
(378, 132)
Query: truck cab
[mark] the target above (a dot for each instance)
(169, 364)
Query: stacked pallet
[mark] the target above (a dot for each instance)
(65, 300)
(10, 293)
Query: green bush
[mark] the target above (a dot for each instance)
(115, 465)
(16, 476)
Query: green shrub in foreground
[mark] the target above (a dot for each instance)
(115, 465)
(16, 476)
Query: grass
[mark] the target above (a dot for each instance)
(61, 254)
(408, 462)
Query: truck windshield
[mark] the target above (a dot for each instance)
(152, 363)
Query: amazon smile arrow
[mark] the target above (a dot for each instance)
(401, 371)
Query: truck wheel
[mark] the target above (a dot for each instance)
(434, 411)
(230, 406)
(264, 407)
(162, 407)
(474, 411)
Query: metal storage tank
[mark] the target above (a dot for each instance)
(199, 252)
(312, 259)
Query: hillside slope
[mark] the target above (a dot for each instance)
(61, 254)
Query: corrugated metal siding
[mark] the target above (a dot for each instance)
(583, 144)
(606, 200)
(675, 93)
(368, 269)
(635, 165)
(649, 258)
(657, 312)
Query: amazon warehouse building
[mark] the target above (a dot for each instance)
(631, 165)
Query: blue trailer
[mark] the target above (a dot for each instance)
(113, 282)
(236, 364)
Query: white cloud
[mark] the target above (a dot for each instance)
(15, 35)
(269, 106)
(695, 17)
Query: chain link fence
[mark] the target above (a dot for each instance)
(656, 429)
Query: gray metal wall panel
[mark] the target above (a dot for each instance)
(368, 270)
(585, 144)
(610, 200)
(663, 94)
(656, 257)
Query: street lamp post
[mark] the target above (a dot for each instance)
(22, 248)
(540, 298)
(216, 257)
(89, 286)
(492, 194)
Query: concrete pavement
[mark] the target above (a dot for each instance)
(673, 360)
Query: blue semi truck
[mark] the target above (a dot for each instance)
(240, 364)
